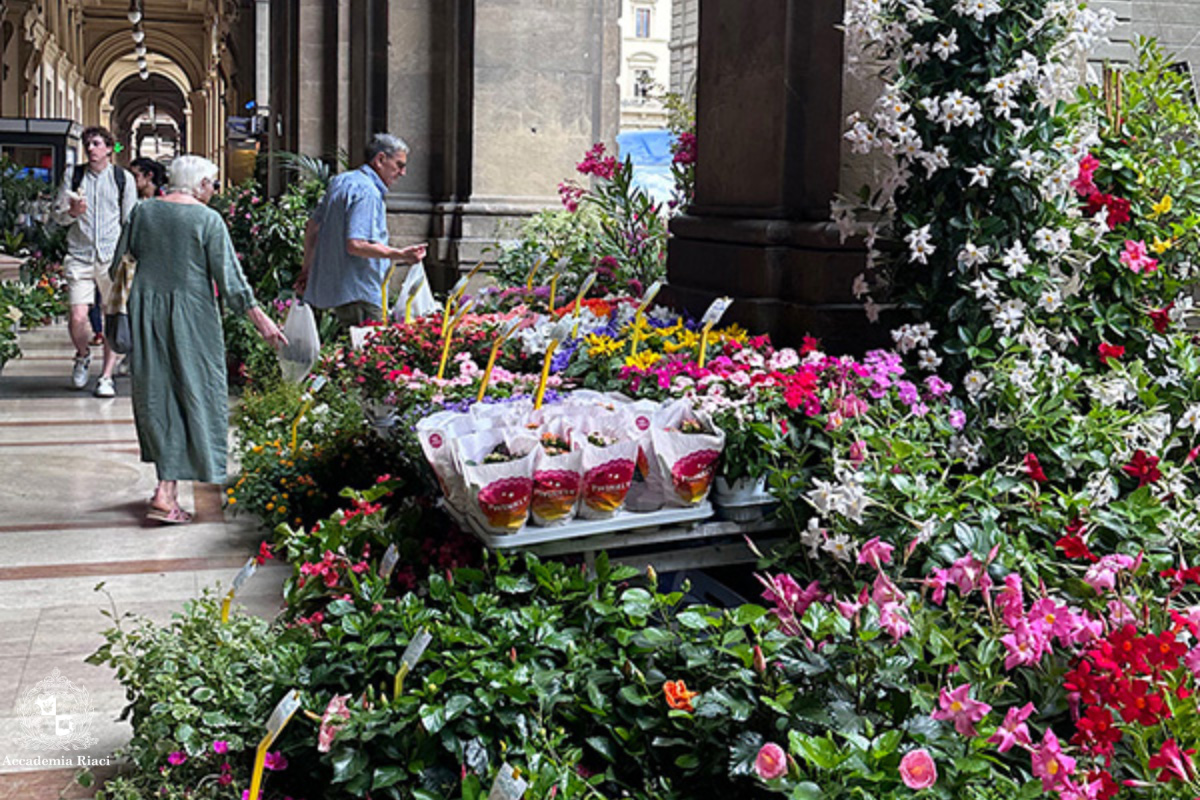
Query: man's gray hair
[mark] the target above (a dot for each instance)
(186, 173)
(385, 143)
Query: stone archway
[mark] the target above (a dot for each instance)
(155, 107)
(124, 96)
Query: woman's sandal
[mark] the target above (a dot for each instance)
(172, 516)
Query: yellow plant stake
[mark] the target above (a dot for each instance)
(409, 659)
(458, 318)
(239, 580)
(280, 717)
(533, 271)
(711, 317)
(408, 302)
(505, 332)
(451, 299)
(583, 290)
(317, 383)
(557, 334)
(387, 280)
(647, 299)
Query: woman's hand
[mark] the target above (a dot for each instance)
(267, 328)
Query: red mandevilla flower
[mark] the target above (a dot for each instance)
(1161, 317)
(1107, 351)
(1034, 468)
(1143, 467)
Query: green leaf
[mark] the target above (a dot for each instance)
(348, 764)
(388, 775)
(747, 614)
(603, 746)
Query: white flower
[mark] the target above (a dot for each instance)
(947, 45)
(840, 547)
(872, 309)
(1191, 418)
(860, 287)
(1050, 300)
(972, 256)
(978, 9)
(1028, 162)
(1022, 376)
(1015, 259)
(985, 287)
(979, 174)
(929, 360)
(919, 246)
(938, 159)
(1009, 315)
(813, 536)
(918, 53)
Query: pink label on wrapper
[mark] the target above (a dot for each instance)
(554, 493)
(642, 423)
(693, 474)
(505, 502)
(605, 486)
(435, 440)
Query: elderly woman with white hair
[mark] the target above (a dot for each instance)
(180, 395)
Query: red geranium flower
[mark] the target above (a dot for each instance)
(1161, 317)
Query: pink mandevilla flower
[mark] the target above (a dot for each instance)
(875, 553)
(1013, 731)
(1050, 764)
(959, 707)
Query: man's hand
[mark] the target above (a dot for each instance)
(301, 283)
(411, 254)
(78, 206)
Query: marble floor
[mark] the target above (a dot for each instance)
(72, 497)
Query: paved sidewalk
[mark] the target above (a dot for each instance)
(72, 497)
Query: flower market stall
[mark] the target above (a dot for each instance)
(986, 585)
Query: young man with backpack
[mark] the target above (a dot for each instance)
(93, 203)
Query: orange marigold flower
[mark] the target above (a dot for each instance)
(678, 696)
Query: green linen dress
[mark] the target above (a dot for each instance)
(180, 395)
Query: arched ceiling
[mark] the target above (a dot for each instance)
(118, 46)
(133, 95)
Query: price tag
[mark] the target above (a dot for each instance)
(584, 288)
(279, 719)
(388, 565)
(508, 786)
(715, 311)
(648, 298)
(239, 580)
(412, 654)
(459, 288)
(562, 329)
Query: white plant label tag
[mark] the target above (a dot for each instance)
(390, 557)
(280, 717)
(715, 311)
(507, 786)
(416, 648)
(648, 297)
(244, 574)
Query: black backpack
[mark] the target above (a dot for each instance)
(81, 170)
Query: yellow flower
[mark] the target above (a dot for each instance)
(734, 333)
(1161, 207)
(270, 506)
(643, 360)
(602, 345)
(1161, 246)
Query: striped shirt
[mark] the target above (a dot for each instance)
(92, 237)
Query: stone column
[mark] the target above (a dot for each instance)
(499, 99)
(769, 131)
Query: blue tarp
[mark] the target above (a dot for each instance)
(651, 154)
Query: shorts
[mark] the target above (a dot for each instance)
(84, 278)
(353, 314)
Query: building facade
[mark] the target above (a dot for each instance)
(645, 62)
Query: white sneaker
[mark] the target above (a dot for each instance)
(104, 387)
(79, 373)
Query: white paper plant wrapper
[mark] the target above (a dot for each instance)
(688, 461)
(498, 495)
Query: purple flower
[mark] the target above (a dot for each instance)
(220, 747)
(176, 758)
(957, 419)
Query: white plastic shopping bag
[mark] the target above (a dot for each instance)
(297, 357)
(415, 286)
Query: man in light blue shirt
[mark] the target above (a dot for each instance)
(346, 251)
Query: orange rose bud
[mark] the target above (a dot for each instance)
(760, 661)
(678, 696)
(512, 653)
